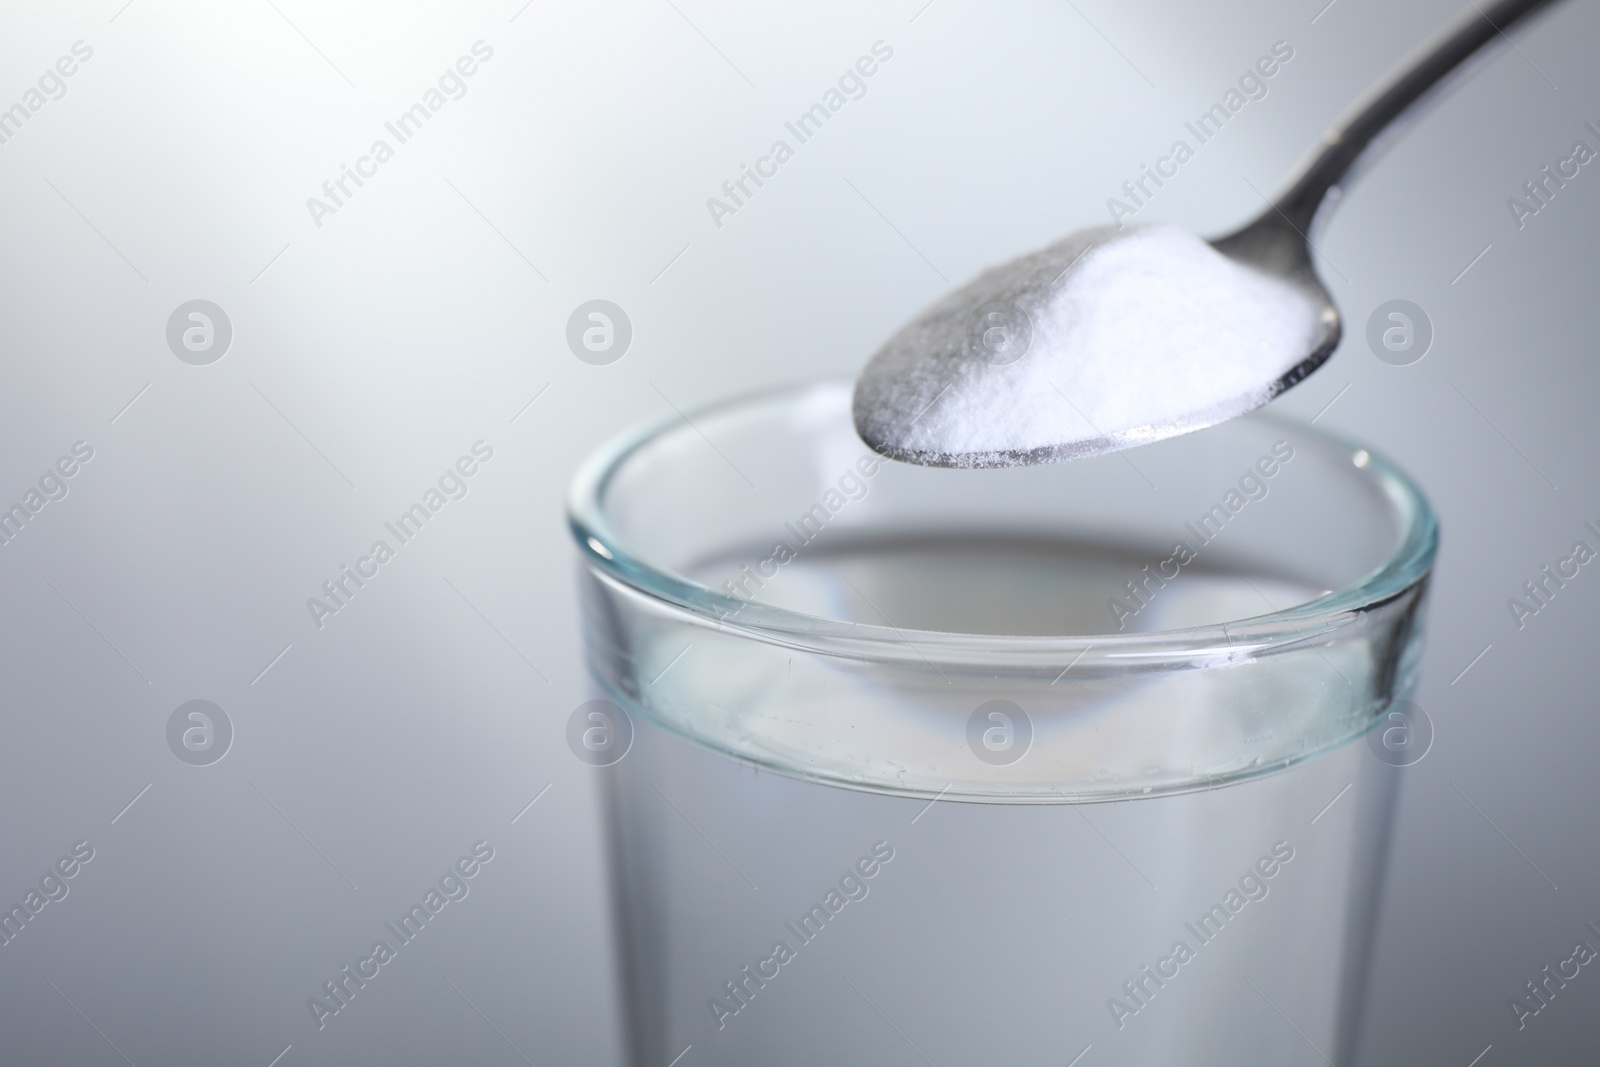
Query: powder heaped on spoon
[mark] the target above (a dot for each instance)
(1111, 335)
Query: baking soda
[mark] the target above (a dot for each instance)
(1111, 335)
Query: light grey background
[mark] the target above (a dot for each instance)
(372, 351)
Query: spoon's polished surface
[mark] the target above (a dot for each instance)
(1277, 244)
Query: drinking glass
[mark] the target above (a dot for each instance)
(1087, 763)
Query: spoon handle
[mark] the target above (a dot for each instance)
(1380, 116)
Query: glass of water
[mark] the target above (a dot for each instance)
(909, 765)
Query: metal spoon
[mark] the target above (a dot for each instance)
(1277, 243)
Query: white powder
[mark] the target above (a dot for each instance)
(1136, 334)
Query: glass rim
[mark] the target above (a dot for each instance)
(1402, 568)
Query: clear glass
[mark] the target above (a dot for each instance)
(781, 613)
